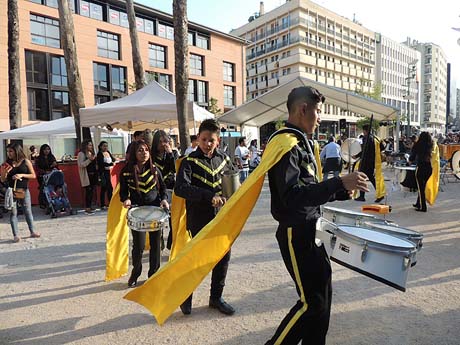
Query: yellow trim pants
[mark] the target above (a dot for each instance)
(309, 267)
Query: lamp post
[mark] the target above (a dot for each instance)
(411, 74)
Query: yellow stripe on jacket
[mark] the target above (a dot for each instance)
(192, 260)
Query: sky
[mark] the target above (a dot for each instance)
(396, 19)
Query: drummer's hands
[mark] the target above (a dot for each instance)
(127, 203)
(218, 201)
(164, 204)
(355, 180)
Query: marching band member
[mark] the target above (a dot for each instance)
(142, 184)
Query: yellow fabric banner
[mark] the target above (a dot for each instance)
(318, 161)
(117, 257)
(174, 282)
(432, 186)
(380, 190)
(117, 245)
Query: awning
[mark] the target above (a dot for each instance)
(271, 106)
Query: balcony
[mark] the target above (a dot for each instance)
(345, 85)
(290, 60)
(321, 63)
(261, 69)
(272, 66)
(359, 73)
(252, 72)
(273, 82)
(252, 87)
(307, 59)
(338, 67)
(330, 65)
(262, 85)
(367, 76)
(353, 72)
(338, 83)
(321, 79)
(345, 69)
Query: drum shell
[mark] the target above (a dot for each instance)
(230, 183)
(381, 262)
(142, 225)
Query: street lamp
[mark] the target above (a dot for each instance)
(411, 75)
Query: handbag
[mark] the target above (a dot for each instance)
(18, 193)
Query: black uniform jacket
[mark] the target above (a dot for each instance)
(295, 192)
(152, 189)
(167, 166)
(198, 180)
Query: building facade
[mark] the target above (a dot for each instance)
(457, 106)
(301, 38)
(217, 59)
(433, 86)
(397, 71)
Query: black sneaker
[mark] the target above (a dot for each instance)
(379, 199)
(186, 307)
(132, 282)
(361, 198)
(221, 305)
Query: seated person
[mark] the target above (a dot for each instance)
(59, 200)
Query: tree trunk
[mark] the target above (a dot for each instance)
(14, 76)
(137, 60)
(181, 69)
(77, 100)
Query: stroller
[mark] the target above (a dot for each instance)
(55, 191)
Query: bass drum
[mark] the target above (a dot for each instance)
(350, 147)
(455, 164)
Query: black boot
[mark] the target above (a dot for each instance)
(186, 307)
(221, 305)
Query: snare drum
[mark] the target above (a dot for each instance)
(406, 234)
(377, 255)
(147, 218)
(341, 216)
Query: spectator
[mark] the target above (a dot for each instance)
(33, 153)
(88, 173)
(242, 159)
(45, 163)
(105, 162)
(333, 160)
(193, 145)
(17, 171)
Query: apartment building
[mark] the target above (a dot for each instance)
(433, 86)
(457, 105)
(217, 59)
(397, 70)
(301, 38)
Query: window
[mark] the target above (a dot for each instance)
(229, 96)
(92, 10)
(164, 80)
(229, 71)
(47, 98)
(157, 56)
(54, 3)
(45, 31)
(198, 91)
(196, 64)
(202, 41)
(58, 71)
(166, 31)
(108, 45)
(109, 82)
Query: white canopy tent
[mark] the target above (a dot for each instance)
(63, 128)
(151, 105)
(271, 106)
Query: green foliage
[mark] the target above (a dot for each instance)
(376, 92)
(213, 108)
(365, 121)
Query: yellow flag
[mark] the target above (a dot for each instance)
(117, 245)
(318, 161)
(432, 186)
(380, 190)
(174, 282)
(117, 257)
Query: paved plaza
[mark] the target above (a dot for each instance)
(52, 289)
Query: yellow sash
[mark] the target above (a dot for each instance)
(432, 186)
(380, 190)
(318, 161)
(162, 293)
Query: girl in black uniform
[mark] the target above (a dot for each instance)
(164, 158)
(421, 155)
(142, 184)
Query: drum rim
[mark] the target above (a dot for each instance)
(340, 210)
(162, 219)
(412, 233)
(374, 244)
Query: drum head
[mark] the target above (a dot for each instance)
(455, 164)
(349, 148)
(393, 229)
(147, 213)
(373, 236)
(349, 212)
